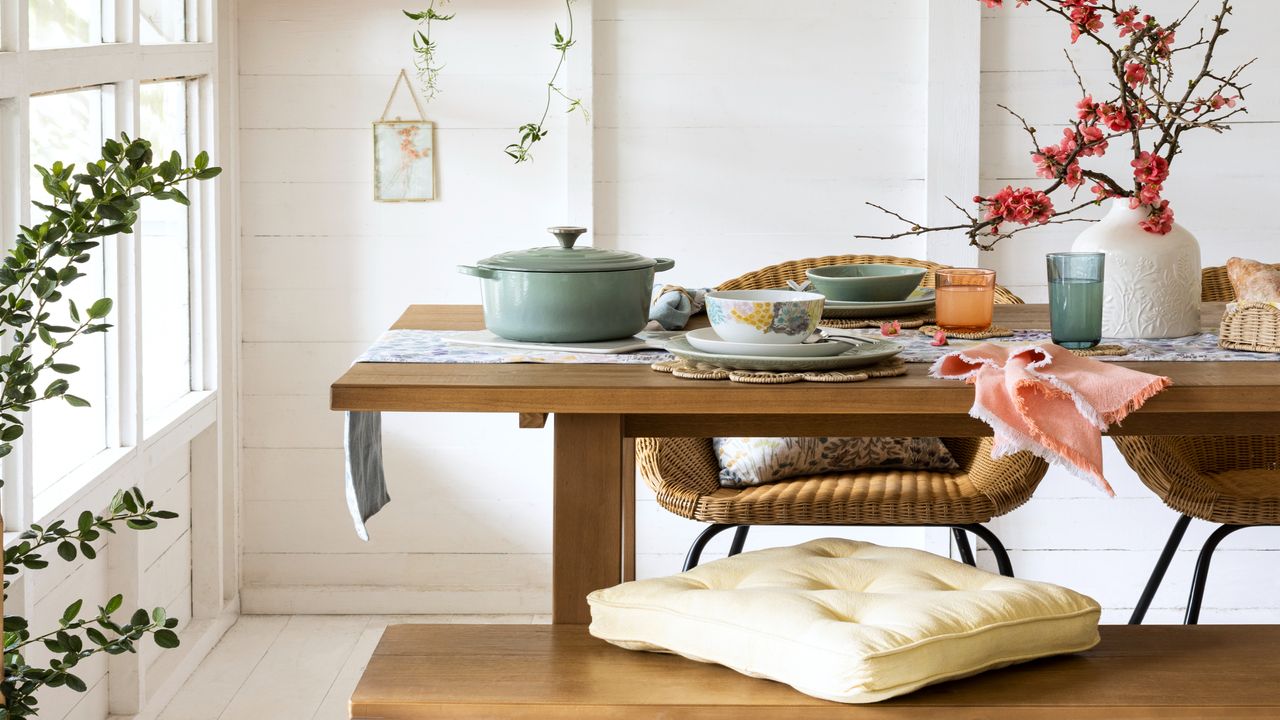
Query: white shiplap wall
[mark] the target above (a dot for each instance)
(728, 135)
(325, 270)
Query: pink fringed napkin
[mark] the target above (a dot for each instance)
(1044, 399)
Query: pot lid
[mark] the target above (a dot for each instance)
(567, 258)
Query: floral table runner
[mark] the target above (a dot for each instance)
(433, 346)
(1193, 348)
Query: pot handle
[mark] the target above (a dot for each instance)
(483, 273)
(663, 264)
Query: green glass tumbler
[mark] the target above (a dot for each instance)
(1075, 298)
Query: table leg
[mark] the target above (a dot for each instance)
(588, 526)
(629, 509)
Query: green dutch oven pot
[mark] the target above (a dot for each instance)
(566, 294)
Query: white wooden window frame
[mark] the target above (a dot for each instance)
(204, 421)
(119, 65)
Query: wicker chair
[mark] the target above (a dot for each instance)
(684, 472)
(1231, 481)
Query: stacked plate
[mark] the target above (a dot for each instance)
(921, 300)
(704, 345)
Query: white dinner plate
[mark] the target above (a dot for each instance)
(706, 340)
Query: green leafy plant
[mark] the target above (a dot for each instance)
(83, 208)
(531, 133)
(424, 48)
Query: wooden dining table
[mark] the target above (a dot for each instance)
(600, 409)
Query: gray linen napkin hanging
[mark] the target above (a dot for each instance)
(366, 486)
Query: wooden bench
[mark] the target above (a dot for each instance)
(539, 671)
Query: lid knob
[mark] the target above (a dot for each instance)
(566, 234)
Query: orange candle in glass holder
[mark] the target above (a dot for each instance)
(964, 298)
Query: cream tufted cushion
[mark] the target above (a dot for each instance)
(844, 620)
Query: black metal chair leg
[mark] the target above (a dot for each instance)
(962, 547)
(1003, 563)
(739, 539)
(1157, 573)
(700, 542)
(1202, 571)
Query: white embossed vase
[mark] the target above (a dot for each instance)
(1152, 282)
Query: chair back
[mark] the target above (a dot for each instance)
(1215, 286)
(775, 276)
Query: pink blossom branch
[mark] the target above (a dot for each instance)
(1145, 108)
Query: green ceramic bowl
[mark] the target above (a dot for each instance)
(866, 283)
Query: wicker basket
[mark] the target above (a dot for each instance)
(1251, 326)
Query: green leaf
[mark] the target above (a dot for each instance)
(167, 639)
(11, 433)
(114, 604)
(67, 550)
(75, 401)
(139, 524)
(100, 309)
(202, 160)
(85, 522)
(76, 683)
(72, 611)
(140, 618)
(64, 368)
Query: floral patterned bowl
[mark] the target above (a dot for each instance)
(775, 317)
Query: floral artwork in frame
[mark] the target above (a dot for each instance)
(404, 161)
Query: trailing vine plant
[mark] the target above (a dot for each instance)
(424, 48)
(531, 133)
(425, 60)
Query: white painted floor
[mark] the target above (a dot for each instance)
(290, 667)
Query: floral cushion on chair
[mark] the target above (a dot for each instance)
(747, 461)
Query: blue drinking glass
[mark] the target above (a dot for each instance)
(1075, 298)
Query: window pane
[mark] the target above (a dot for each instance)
(166, 273)
(64, 23)
(162, 21)
(68, 127)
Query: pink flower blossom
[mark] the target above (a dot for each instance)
(1083, 19)
(1126, 20)
(1149, 168)
(1114, 118)
(1074, 176)
(1135, 74)
(1218, 101)
(1024, 206)
(891, 328)
(1094, 144)
(1147, 195)
(1159, 220)
(939, 338)
(1087, 109)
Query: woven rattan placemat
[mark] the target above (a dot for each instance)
(995, 331)
(910, 321)
(687, 370)
(1102, 351)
